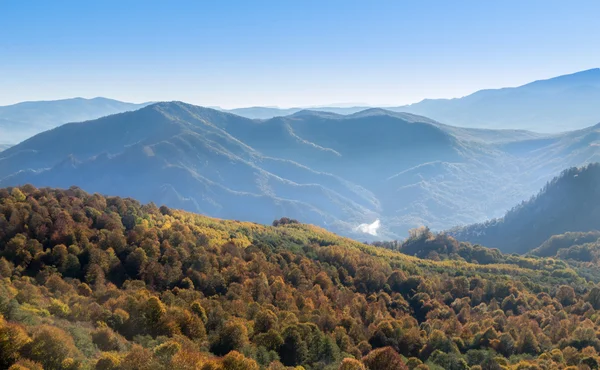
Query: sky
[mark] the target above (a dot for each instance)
(288, 53)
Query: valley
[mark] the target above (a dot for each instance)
(322, 168)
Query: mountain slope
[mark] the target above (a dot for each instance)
(326, 169)
(395, 170)
(569, 203)
(174, 153)
(23, 120)
(93, 282)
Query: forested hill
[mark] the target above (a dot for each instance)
(568, 203)
(107, 283)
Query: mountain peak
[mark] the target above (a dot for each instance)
(372, 112)
(315, 113)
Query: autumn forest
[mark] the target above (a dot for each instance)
(93, 282)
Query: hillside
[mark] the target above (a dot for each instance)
(331, 170)
(326, 170)
(107, 283)
(568, 203)
(557, 243)
(23, 120)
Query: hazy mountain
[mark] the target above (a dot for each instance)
(271, 112)
(23, 120)
(568, 203)
(4, 146)
(374, 171)
(181, 155)
(558, 104)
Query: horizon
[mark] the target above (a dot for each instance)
(315, 107)
(227, 55)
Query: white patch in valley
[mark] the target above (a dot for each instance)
(369, 228)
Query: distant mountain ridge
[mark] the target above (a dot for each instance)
(332, 170)
(562, 103)
(23, 120)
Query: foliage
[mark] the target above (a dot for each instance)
(93, 282)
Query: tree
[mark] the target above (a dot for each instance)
(566, 295)
(294, 350)
(199, 311)
(153, 313)
(233, 336)
(135, 262)
(12, 339)
(594, 297)
(50, 347)
(25, 364)
(108, 361)
(138, 358)
(236, 361)
(166, 351)
(351, 364)
(265, 320)
(18, 195)
(506, 345)
(449, 361)
(384, 359)
(528, 343)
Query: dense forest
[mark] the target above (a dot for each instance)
(568, 203)
(93, 282)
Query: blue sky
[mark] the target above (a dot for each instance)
(288, 53)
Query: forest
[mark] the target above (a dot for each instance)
(569, 203)
(106, 283)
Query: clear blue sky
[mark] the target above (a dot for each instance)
(287, 52)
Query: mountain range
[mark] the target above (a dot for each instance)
(563, 103)
(372, 172)
(23, 120)
(557, 104)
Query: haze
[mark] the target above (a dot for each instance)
(274, 53)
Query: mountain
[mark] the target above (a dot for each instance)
(568, 203)
(557, 104)
(94, 282)
(272, 112)
(4, 146)
(181, 155)
(23, 120)
(394, 171)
